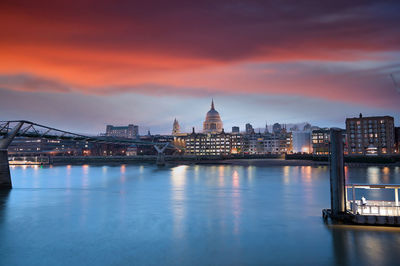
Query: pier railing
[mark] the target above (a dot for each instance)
(381, 208)
(373, 207)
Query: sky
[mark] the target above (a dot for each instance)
(80, 65)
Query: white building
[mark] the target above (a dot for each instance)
(301, 141)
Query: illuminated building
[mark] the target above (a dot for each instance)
(41, 146)
(289, 142)
(320, 141)
(397, 139)
(267, 143)
(213, 122)
(301, 141)
(254, 143)
(209, 144)
(370, 135)
(131, 150)
(236, 143)
(57, 147)
(130, 132)
(176, 129)
(278, 143)
(214, 141)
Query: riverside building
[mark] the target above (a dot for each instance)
(320, 141)
(397, 139)
(208, 144)
(267, 143)
(370, 135)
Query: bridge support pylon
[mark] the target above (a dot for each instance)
(160, 155)
(5, 176)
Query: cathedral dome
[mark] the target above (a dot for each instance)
(213, 122)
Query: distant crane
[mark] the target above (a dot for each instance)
(395, 83)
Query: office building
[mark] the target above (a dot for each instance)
(320, 141)
(209, 144)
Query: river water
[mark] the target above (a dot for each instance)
(187, 215)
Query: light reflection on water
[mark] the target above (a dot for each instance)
(236, 198)
(221, 176)
(286, 172)
(189, 215)
(361, 245)
(373, 174)
(178, 179)
(85, 176)
(123, 171)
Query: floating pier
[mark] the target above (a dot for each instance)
(361, 212)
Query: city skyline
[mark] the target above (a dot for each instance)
(213, 132)
(82, 67)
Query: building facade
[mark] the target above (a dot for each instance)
(249, 129)
(320, 141)
(130, 132)
(370, 135)
(397, 140)
(209, 144)
(267, 143)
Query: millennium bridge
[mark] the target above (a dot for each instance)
(21, 128)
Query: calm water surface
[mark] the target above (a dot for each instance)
(190, 215)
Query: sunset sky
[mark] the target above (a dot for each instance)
(79, 65)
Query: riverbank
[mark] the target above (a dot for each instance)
(283, 162)
(273, 162)
(189, 160)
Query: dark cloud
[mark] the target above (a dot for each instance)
(27, 82)
(218, 30)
